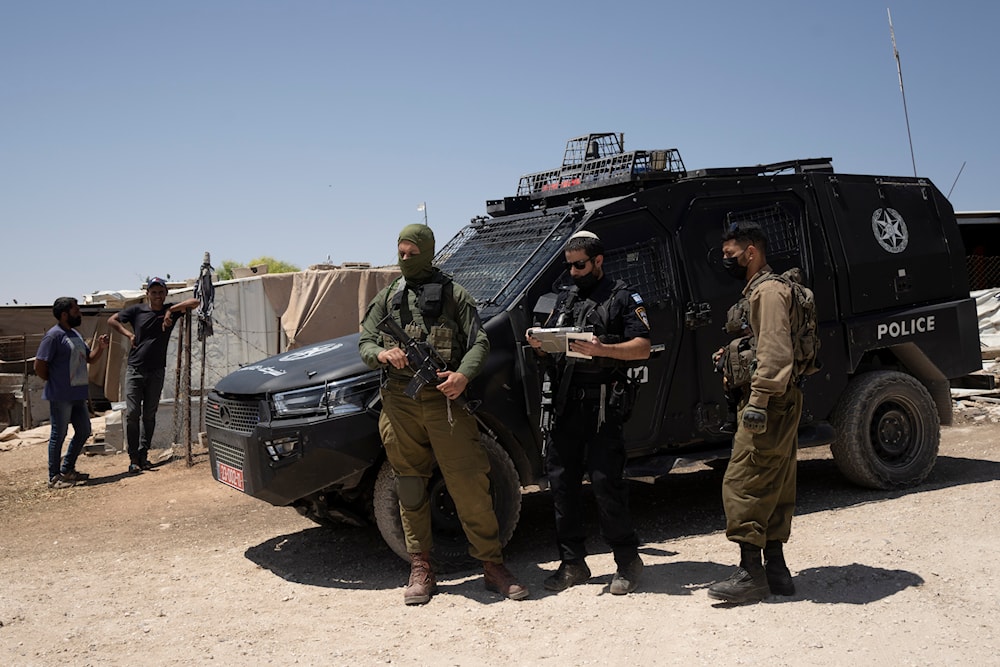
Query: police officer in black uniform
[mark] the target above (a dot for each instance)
(591, 402)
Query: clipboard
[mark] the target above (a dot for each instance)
(556, 340)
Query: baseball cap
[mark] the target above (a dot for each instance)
(156, 281)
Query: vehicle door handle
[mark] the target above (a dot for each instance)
(697, 315)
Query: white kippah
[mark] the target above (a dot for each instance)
(584, 234)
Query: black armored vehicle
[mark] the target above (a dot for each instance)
(882, 255)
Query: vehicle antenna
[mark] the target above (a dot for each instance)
(956, 178)
(899, 71)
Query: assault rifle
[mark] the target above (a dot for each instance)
(424, 360)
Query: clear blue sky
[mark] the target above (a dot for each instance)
(138, 135)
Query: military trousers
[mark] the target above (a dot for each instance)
(417, 434)
(581, 445)
(758, 490)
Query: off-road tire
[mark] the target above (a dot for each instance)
(451, 548)
(887, 431)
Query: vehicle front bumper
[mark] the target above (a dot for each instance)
(328, 451)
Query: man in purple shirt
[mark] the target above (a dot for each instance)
(61, 361)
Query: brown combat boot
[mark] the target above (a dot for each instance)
(499, 580)
(422, 584)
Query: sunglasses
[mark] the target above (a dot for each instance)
(579, 265)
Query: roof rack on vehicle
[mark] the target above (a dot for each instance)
(594, 165)
(593, 160)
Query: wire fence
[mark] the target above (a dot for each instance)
(984, 271)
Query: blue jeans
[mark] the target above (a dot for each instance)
(61, 415)
(142, 398)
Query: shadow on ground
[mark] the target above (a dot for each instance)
(684, 504)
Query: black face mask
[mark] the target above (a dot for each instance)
(587, 282)
(734, 268)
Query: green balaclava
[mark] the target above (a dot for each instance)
(417, 269)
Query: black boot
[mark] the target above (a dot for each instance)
(747, 584)
(779, 579)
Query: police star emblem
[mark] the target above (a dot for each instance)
(890, 230)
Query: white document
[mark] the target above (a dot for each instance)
(554, 339)
(582, 335)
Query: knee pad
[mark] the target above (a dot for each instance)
(412, 492)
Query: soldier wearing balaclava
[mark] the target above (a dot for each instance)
(424, 432)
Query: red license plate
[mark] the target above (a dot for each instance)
(231, 476)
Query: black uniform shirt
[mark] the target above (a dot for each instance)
(626, 319)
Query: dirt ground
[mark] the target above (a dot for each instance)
(172, 568)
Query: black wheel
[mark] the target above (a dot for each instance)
(888, 431)
(451, 548)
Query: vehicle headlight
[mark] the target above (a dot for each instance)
(339, 398)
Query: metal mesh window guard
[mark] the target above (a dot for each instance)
(495, 259)
(645, 267)
(778, 224)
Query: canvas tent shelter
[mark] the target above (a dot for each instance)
(254, 318)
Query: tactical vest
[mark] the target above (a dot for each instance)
(739, 360)
(434, 321)
(588, 313)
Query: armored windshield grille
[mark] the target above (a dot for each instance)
(496, 259)
(603, 169)
(644, 266)
(232, 455)
(230, 415)
(779, 224)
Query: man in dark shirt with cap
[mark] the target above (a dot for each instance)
(592, 405)
(151, 324)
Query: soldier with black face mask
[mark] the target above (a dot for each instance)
(758, 490)
(592, 402)
(429, 429)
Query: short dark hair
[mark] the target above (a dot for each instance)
(589, 244)
(746, 233)
(63, 304)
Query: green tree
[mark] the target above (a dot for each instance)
(274, 265)
(225, 272)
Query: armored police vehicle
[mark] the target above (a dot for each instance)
(882, 255)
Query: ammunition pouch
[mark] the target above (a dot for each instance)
(739, 362)
(622, 395)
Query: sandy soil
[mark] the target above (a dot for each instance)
(172, 568)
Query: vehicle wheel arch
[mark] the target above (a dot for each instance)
(887, 432)
(910, 359)
(527, 472)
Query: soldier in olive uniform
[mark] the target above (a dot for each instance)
(758, 490)
(419, 432)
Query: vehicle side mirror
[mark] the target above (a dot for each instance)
(545, 306)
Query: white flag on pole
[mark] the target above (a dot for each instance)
(422, 206)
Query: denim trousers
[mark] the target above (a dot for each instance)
(61, 415)
(142, 398)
